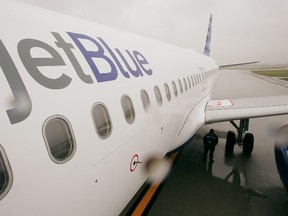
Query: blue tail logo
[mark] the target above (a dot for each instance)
(208, 38)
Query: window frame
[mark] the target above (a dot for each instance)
(147, 106)
(189, 82)
(70, 132)
(185, 84)
(175, 90)
(167, 91)
(180, 86)
(192, 81)
(158, 95)
(109, 117)
(8, 171)
(133, 109)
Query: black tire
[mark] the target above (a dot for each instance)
(248, 143)
(230, 142)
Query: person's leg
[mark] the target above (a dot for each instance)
(206, 149)
(212, 148)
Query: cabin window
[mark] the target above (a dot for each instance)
(185, 84)
(5, 174)
(189, 82)
(192, 81)
(158, 95)
(174, 89)
(145, 100)
(195, 78)
(59, 139)
(102, 120)
(128, 109)
(167, 90)
(180, 86)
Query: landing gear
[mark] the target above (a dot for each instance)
(247, 141)
(230, 142)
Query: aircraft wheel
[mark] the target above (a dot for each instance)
(230, 142)
(248, 143)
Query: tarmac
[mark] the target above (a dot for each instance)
(234, 185)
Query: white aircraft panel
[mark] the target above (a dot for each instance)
(234, 109)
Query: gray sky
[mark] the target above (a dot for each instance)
(243, 30)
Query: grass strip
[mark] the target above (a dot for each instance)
(273, 73)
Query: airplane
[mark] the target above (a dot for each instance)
(84, 108)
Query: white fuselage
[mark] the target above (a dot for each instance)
(97, 179)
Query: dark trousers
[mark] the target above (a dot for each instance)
(208, 147)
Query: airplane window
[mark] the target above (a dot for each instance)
(180, 86)
(5, 174)
(128, 109)
(158, 95)
(185, 84)
(145, 100)
(195, 78)
(189, 82)
(167, 90)
(59, 139)
(174, 89)
(192, 81)
(102, 120)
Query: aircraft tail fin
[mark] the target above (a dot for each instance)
(208, 38)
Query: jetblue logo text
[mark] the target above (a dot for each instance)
(115, 58)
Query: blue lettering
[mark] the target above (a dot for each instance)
(102, 53)
(136, 72)
(125, 73)
(89, 55)
(136, 57)
(142, 61)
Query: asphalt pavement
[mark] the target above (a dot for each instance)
(236, 184)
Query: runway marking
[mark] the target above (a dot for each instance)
(139, 210)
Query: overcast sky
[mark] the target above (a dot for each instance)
(243, 30)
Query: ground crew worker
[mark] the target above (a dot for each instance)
(210, 140)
